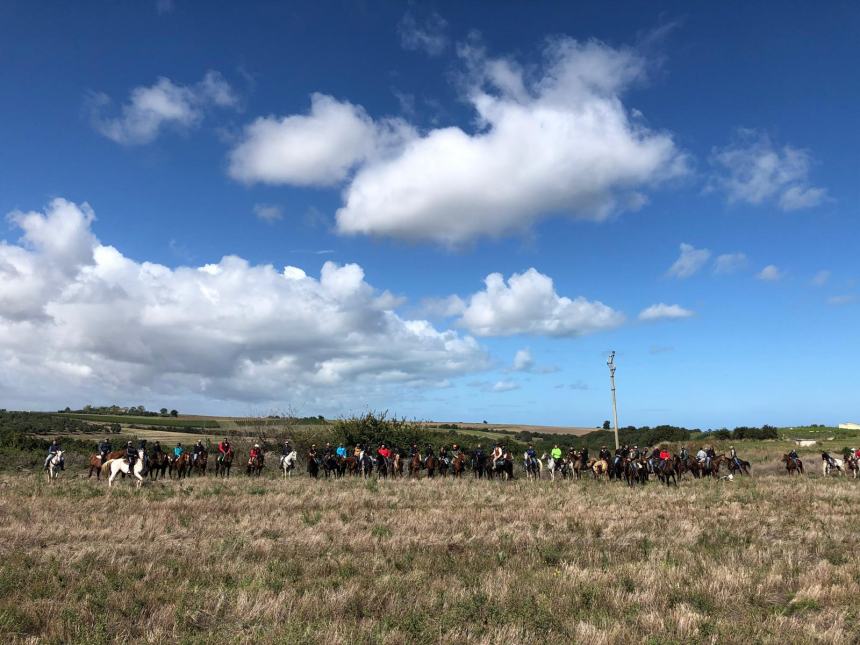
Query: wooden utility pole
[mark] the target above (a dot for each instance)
(611, 364)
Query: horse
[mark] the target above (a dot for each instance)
(667, 471)
(431, 463)
(288, 463)
(255, 465)
(852, 465)
(117, 466)
(617, 467)
(180, 465)
(96, 462)
(479, 463)
(55, 465)
(739, 466)
(458, 465)
(224, 463)
(313, 466)
(600, 468)
(837, 466)
(791, 466)
(636, 471)
(415, 465)
(330, 465)
(531, 466)
(383, 466)
(504, 467)
(552, 465)
(365, 464)
(396, 465)
(157, 465)
(349, 465)
(198, 465)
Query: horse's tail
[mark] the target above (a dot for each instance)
(106, 467)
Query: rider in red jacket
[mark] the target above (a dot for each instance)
(384, 452)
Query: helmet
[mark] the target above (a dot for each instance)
(129, 443)
(256, 445)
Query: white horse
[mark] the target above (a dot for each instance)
(117, 466)
(826, 468)
(288, 463)
(550, 465)
(54, 465)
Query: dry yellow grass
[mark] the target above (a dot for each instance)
(261, 561)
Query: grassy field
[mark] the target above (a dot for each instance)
(768, 559)
(172, 422)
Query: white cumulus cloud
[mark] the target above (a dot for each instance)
(80, 319)
(661, 311)
(729, 263)
(689, 262)
(556, 141)
(771, 273)
(152, 108)
(315, 149)
(754, 171)
(528, 304)
(523, 360)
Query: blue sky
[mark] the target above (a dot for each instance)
(500, 194)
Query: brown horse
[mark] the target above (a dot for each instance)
(96, 462)
(255, 465)
(224, 463)
(157, 465)
(415, 465)
(791, 466)
(458, 465)
(179, 467)
(350, 465)
(199, 464)
(431, 464)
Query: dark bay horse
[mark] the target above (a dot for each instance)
(224, 463)
(458, 465)
(179, 467)
(667, 471)
(255, 465)
(791, 466)
(199, 465)
(157, 465)
(415, 465)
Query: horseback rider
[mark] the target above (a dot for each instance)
(531, 455)
(555, 453)
(702, 456)
(197, 451)
(104, 449)
(327, 450)
(684, 453)
(733, 456)
(384, 452)
(665, 455)
(255, 453)
(583, 456)
(156, 449)
(53, 449)
(634, 452)
(604, 454)
(455, 449)
(357, 450)
(428, 452)
(793, 456)
(223, 448)
(341, 451)
(287, 448)
(497, 454)
(478, 457)
(178, 450)
(130, 454)
(443, 455)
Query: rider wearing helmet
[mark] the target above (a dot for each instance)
(130, 454)
(604, 454)
(255, 453)
(53, 449)
(428, 452)
(104, 449)
(197, 450)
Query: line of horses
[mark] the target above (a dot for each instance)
(575, 465)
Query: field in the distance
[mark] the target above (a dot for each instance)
(767, 559)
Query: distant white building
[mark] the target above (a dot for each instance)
(849, 426)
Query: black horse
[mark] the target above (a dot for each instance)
(313, 467)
